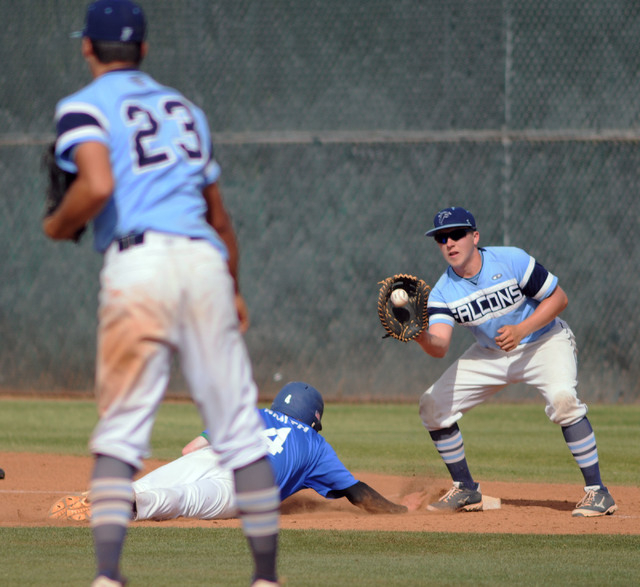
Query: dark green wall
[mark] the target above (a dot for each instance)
(342, 127)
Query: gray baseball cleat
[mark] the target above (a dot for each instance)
(458, 499)
(596, 502)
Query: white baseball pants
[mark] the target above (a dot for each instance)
(172, 294)
(193, 486)
(549, 364)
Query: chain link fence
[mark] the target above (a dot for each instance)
(341, 128)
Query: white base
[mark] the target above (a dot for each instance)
(491, 503)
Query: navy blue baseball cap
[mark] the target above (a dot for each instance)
(453, 217)
(114, 20)
(302, 402)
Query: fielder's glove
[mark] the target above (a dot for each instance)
(58, 182)
(407, 321)
(76, 508)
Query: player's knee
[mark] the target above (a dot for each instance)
(565, 409)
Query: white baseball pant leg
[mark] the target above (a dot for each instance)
(216, 363)
(549, 364)
(193, 486)
(172, 293)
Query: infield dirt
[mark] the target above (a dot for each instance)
(34, 482)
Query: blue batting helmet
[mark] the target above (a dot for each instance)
(301, 401)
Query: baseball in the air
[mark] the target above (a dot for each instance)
(399, 297)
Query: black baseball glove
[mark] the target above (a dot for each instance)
(407, 321)
(58, 182)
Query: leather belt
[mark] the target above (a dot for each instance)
(131, 240)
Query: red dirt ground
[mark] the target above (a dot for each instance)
(34, 482)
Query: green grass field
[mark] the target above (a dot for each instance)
(504, 442)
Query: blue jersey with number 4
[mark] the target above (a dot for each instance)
(508, 289)
(160, 150)
(302, 458)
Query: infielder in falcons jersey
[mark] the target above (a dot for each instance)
(197, 486)
(147, 177)
(511, 305)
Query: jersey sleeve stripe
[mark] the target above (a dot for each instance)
(527, 274)
(75, 124)
(67, 141)
(75, 120)
(547, 287)
(540, 283)
(79, 135)
(441, 317)
(78, 108)
(439, 312)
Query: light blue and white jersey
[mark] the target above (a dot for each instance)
(160, 149)
(507, 290)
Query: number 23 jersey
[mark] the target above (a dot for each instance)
(160, 151)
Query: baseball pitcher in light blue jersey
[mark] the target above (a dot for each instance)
(511, 304)
(147, 178)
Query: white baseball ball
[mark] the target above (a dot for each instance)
(399, 297)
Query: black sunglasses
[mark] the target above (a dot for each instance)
(455, 235)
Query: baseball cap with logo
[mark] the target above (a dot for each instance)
(301, 401)
(453, 217)
(114, 20)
